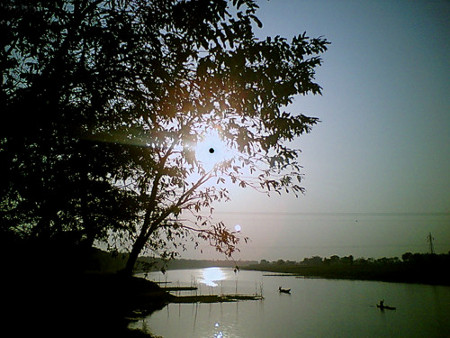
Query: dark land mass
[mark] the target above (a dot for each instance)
(78, 305)
(413, 268)
(89, 304)
(55, 290)
(51, 296)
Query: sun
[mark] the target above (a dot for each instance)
(212, 150)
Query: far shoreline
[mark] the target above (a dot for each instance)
(357, 273)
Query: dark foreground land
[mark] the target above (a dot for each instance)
(51, 289)
(414, 268)
(49, 294)
(87, 305)
(78, 305)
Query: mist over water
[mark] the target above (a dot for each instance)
(315, 308)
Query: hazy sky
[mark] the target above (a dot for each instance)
(382, 148)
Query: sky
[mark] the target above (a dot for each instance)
(377, 166)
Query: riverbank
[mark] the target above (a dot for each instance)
(77, 305)
(87, 304)
(401, 273)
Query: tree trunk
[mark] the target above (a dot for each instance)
(134, 254)
(138, 245)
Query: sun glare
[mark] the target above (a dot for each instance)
(211, 151)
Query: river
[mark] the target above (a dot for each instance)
(315, 307)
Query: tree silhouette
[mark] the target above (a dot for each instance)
(108, 100)
(57, 84)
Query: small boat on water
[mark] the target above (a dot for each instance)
(280, 289)
(381, 306)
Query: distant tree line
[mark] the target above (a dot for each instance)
(411, 268)
(406, 258)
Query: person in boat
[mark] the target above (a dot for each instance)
(381, 306)
(284, 290)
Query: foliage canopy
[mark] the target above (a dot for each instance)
(108, 99)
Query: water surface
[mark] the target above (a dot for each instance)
(315, 308)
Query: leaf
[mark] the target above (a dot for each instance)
(258, 22)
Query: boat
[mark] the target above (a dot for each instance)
(280, 289)
(385, 307)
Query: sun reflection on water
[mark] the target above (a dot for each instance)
(212, 275)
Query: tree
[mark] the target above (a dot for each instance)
(347, 260)
(315, 260)
(58, 83)
(335, 259)
(142, 83)
(407, 257)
